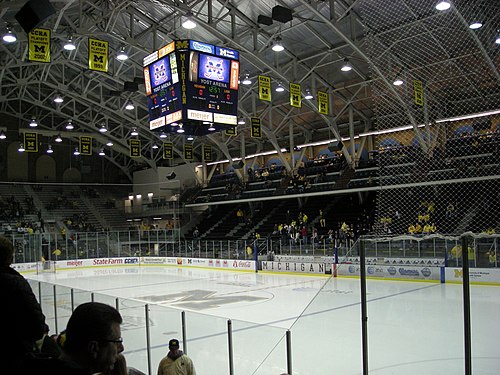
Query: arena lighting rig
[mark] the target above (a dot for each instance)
(193, 84)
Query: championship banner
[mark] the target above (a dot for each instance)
(135, 148)
(98, 55)
(168, 150)
(207, 152)
(85, 145)
(323, 103)
(295, 95)
(31, 142)
(256, 127)
(265, 88)
(232, 131)
(418, 90)
(39, 45)
(188, 152)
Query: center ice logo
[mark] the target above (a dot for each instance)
(214, 69)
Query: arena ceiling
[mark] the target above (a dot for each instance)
(409, 37)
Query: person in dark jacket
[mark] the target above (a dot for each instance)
(21, 314)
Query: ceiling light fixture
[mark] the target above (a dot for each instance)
(109, 143)
(58, 99)
(188, 21)
(21, 148)
(308, 95)
(33, 123)
(154, 146)
(49, 149)
(347, 66)
(122, 55)
(69, 45)
(398, 82)
(103, 129)
(2, 135)
(190, 138)
(69, 125)
(180, 130)
(475, 25)
(277, 45)
(497, 40)
(101, 152)
(129, 106)
(247, 80)
(280, 87)
(9, 36)
(443, 5)
(58, 139)
(241, 120)
(163, 135)
(76, 152)
(134, 132)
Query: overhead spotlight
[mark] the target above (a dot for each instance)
(76, 152)
(241, 120)
(134, 132)
(308, 95)
(279, 88)
(58, 99)
(497, 40)
(443, 5)
(101, 152)
(475, 25)
(347, 66)
(103, 129)
(154, 146)
(58, 138)
(211, 128)
(188, 21)
(122, 55)
(180, 130)
(49, 149)
(33, 123)
(69, 45)
(247, 80)
(109, 143)
(398, 82)
(190, 138)
(9, 36)
(129, 106)
(21, 147)
(2, 135)
(277, 45)
(163, 135)
(70, 126)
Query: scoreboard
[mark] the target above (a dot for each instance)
(194, 83)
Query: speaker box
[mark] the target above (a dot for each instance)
(264, 20)
(33, 13)
(171, 176)
(282, 14)
(238, 165)
(335, 146)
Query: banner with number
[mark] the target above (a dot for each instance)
(98, 55)
(85, 145)
(207, 152)
(232, 131)
(39, 45)
(295, 95)
(135, 148)
(188, 152)
(256, 127)
(31, 142)
(323, 103)
(418, 89)
(265, 88)
(168, 150)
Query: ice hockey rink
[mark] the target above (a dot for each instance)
(414, 328)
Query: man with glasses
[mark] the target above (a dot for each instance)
(93, 342)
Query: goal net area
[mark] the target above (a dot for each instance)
(437, 125)
(45, 266)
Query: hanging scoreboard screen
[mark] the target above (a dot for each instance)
(191, 82)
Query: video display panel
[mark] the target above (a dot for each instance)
(214, 68)
(159, 72)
